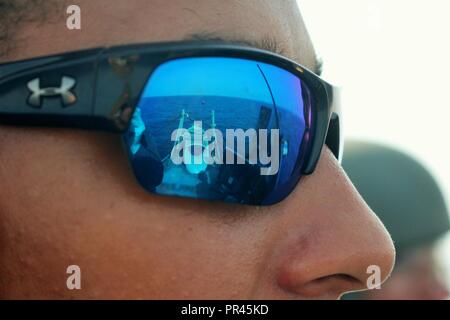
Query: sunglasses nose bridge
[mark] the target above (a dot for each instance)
(333, 139)
(327, 129)
(336, 123)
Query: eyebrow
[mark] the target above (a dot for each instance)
(267, 44)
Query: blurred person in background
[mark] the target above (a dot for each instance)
(410, 203)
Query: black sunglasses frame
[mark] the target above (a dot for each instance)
(109, 82)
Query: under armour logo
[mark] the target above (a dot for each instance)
(35, 98)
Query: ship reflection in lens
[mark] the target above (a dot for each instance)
(195, 112)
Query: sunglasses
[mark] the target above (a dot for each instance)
(203, 120)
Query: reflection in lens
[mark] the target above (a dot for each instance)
(209, 128)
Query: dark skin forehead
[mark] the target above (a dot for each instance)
(275, 26)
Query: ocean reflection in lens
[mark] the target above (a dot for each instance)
(186, 108)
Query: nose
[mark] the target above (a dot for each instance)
(332, 242)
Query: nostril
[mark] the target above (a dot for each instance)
(340, 283)
(331, 286)
(343, 277)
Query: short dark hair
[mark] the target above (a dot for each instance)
(15, 12)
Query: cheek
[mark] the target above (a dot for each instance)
(71, 199)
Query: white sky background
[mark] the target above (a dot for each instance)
(392, 58)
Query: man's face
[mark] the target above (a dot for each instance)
(69, 197)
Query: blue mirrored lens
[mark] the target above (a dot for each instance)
(220, 129)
